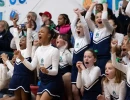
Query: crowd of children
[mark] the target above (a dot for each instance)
(87, 59)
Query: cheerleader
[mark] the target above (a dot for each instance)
(124, 68)
(65, 63)
(20, 81)
(113, 84)
(47, 57)
(116, 35)
(101, 35)
(81, 36)
(89, 76)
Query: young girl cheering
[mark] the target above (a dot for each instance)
(124, 68)
(65, 63)
(20, 81)
(114, 84)
(81, 36)
(47, 57)
(89, 76)
(101, 35)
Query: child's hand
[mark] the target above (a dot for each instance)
(94, 4)
(105, 6)
(36, 43)
(44, 70)
(114, 43)
(78, 66)
(18, 55)
(100, 97)
(77, 11)
(4, 57)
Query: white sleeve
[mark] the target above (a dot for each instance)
(73, 27)
(90, 23)
(120, 40)
(122, 91)
(29, 42)
(90, 78)
(117, 65)
(16, 38)
(127, 11)
(9, 65)
(55, 63)
(69, 57)
(79, 81)
(12, 44)
(33, 51)
(9, 74)
(105, 21)
(31, 66)
(4, 73)
(106, 92)
(85, 29)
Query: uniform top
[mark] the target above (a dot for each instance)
(65, 57)
(80, 42)
(5, 75)
(124, 68)
(19, 68)
(47, 56)
(119, 37)
(116, 90)
(128, 9)
(88, 77)
(126, 60)
(102, 36)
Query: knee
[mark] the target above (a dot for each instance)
(75, 90)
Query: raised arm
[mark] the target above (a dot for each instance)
(85, 28)
(90, 23)
(90, 78)
(127, 11)
(105, 18)
(73, 26)
(116, 64)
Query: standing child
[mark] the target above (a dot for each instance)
(89, 76)
(114, 84)
(20, 82)
(124, 68)
(81, 36)
(65, 63)
(47, 57)
(101, 35)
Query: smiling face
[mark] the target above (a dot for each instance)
(60, 42)
(110, 71)
(44, 36)
(22, 43)
(98, 20)
(89, 59)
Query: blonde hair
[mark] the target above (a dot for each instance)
(119, 76)
(4, 24)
